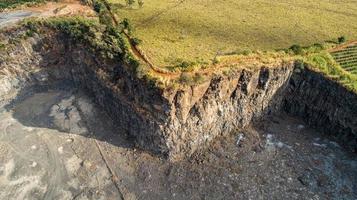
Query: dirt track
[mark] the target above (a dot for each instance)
(57, 144)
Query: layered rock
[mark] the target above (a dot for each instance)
(324, 104)
(225, 103)
(172, 122)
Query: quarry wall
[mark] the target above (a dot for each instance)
(177, 122)
(324, 104)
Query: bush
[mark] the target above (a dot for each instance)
(341, 39)
(98, 6)
(135, 41)
(105, 18)
(130, 2)
(198, 78)
(297, 49)
(185, 78)
(126, 25)
(141, 3)
(300, 64)
(2, 46)
(183, 65)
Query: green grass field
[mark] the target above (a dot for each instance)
(200, 29)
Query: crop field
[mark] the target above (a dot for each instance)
(196, 30)
(347, 58)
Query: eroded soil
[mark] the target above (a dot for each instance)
(57, 144)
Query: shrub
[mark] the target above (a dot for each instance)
(98, 6)
(105, 18)
(29, 33)
(215, 60)
(141, 3)
(183, 65)
(126, 25)
(246, 52)
(300, 64)
(297, 49)
(185, 78)
(341, 39)
(135, 41)
(318, 47)
(2, 46)
(130, 2)
(198, 78)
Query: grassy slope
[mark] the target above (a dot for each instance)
(201, 28)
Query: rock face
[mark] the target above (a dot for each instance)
(323, 104)
(225, 103)
(173, 122)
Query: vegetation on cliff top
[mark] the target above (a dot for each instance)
(318, 58)
(106, 41)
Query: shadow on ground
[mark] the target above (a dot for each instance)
(67, 109)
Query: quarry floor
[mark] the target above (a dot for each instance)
(58, 144)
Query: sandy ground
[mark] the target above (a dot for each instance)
(50, 9)
(57, 144)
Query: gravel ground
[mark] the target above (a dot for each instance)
(57, 144)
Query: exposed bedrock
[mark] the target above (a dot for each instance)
(225, 103)
(323, 104)
(171, 122)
